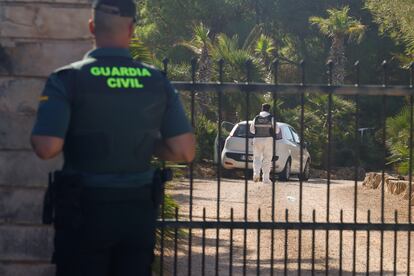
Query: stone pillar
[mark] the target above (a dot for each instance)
(36, 37)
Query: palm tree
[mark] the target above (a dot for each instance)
(235, 58)
(338, 26)
(201, 45)
(265, 51)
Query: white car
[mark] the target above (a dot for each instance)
(287, 157)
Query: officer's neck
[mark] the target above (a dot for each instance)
(111, 43)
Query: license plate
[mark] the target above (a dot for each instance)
(243, 157)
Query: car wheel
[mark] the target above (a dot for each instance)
(285, 174)
(305, 175)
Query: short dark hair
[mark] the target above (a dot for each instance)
(266, 107)
(110, 24)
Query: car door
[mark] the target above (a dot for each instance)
(288, 148)
(226, 128)
(296, 151)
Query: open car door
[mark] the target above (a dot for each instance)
(226, 128)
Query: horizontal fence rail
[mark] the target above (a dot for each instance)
(296, 89)
(264, 225)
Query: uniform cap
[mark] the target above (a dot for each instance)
(125, 8)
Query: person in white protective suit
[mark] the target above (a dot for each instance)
(262, 128)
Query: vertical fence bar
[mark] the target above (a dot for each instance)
(231, 243)
(313, 243)
(368, 242)
(246, 168)
(356, 170)
(190, 231)
(274, 97)
(203, 244)
(341, 243)
(220, 101)
(258, 243)
(175, 244)
(165, 62)
(410, 170)
(302, 116)
(328, 193)
(286, 243)
(395, 243)
(384, 118)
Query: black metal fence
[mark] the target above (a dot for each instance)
(231, 238)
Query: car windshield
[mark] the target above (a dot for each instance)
(241, 132)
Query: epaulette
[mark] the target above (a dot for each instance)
(75, 65)
(150, 66)
(64, 68)
(80, 63)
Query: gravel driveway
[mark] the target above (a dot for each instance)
(232, 194)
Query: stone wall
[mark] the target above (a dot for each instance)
(36, 37)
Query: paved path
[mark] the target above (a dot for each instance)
(287, 195)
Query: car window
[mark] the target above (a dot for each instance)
(287, 134)
(226, 128)
(241, 132)
(295, 136)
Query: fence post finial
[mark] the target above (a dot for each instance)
(275, 67)
(221, 66)
(330, 65)
(193, 69)
(384, 66)
(302, 64)
(165, 62)
(248, 70)
(357, 73)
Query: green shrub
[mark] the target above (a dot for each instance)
(206, 132)
(398, 142)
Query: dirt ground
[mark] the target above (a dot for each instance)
(287, 196)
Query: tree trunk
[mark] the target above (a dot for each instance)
(205, 69)
(204, 75)
(337, 55)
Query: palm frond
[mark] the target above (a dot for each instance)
(195, 48)
(253, 36)
(140, 52)
(339, 23)
(201, 33)
(200, 40)
(356, 31)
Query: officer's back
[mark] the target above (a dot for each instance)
(116, 115)
(109, 115)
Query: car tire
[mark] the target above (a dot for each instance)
(285, 174)
(305, 175)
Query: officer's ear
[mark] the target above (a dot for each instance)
(131, 29)
(91, 26)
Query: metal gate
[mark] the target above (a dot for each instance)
(232, 237)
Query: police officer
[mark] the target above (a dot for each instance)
(262, 128)
(109, 115)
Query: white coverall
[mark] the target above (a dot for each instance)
(262, 153)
